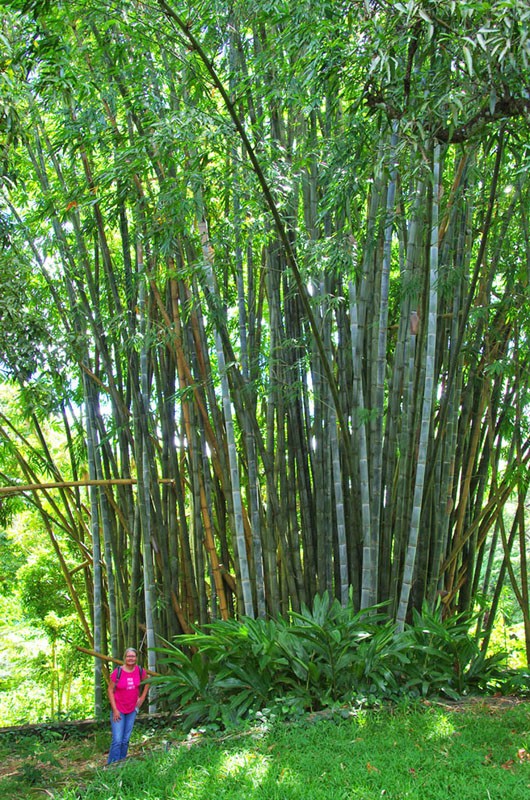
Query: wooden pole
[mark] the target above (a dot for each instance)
(34, 487)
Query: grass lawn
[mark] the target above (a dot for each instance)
(476, 751)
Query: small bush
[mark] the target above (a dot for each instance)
(445, 657)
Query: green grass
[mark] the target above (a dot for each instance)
(479, 753)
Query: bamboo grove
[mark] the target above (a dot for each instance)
(265, 265)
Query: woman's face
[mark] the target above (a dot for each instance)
(130, 658)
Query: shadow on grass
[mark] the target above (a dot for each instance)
(435, 754)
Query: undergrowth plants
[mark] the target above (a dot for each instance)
(446, 657)
(321, 657)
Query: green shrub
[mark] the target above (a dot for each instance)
(324, 656)
(445, 656)
(225, 671)
(339, 651)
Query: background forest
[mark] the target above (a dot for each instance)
(264, 315)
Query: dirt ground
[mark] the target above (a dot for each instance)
(40, 755)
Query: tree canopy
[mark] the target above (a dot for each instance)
(265, 273)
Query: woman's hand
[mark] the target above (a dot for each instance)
(116, 716)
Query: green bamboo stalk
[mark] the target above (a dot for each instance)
(428, 397)
(141, 406)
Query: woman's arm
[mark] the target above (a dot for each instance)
(111, 688)
(142, 697)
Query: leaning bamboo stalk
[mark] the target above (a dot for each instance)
(35, 487)
(110, 659)
(476, 430)
(490, 513)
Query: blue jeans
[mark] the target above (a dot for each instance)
(121, 733)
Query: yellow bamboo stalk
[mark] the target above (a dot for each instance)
(35, 487)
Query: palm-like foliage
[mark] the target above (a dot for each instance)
(224, 671)
(445, 656)
(328, 655)
(337, 650)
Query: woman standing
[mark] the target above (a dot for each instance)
(125, 701)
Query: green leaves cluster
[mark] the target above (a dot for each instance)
(469, 58)
(325, 656)
(447, 658)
